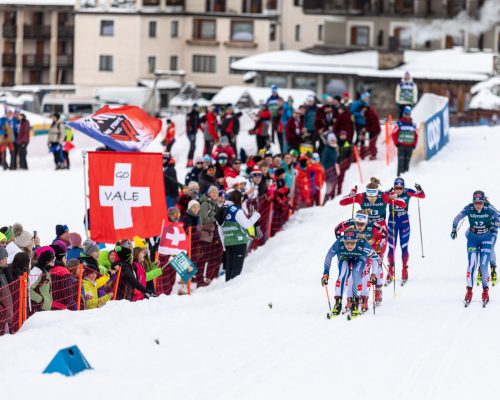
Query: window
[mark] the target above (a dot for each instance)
(302, 82)
(174, 29)
(252, 6)
(204, 29)
(279, 81)
(215, 6)
(152, 29)
(233, 59)
(151, 64)
(105, 63)
(155, 3)
(203, 63)
(320, 32)
(360, 35)
(297, 33)
(80, 108)
(241, 31)
(297, 3)
(107, 28)
(404, 37)
(272, 32)
(458, 39)
(174, 63)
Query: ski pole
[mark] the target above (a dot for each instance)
(420, 224)
(328, 297)
(394, 247)
(354, 201)
(373, 297)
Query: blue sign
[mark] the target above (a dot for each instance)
(437, 132)
(183, 266)
(69, 361)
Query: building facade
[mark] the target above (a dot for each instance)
(37, 42)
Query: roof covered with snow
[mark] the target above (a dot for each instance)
(70, 3)
(485, 100)
(487, 84)
(448, 64)
(233, 94)
(161, 84)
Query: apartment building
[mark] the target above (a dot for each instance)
(37, 42)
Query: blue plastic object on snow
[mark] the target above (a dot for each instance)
(69, 361)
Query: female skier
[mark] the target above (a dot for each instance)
(483, 222)
(352, 254)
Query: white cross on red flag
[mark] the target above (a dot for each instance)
(173, 239)
(127, 196)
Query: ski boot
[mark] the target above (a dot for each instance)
(493, 275)
(479, 278)
(348, 305)
(354, 309)
(485, 296)
(378, 294)
(468, 296)
(364, 304)
(390, 275)
(337, 308)
(404, 275)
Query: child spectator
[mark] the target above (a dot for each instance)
(75, 245)
(90, 255)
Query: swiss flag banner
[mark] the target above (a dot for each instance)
(127, 196)
(173, 239)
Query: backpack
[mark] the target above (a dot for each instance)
(220, 215)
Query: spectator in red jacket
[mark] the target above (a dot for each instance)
(261, 128)
(22, 141)
(303, 183)
(211, 128)
(373, 129)
(343, 122)
(294, 130)
(317, 179)
(224, 147)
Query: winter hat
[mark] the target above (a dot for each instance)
(21, 237)
(399, 182)
(90, 247)
(7, 231)
(224, 139)
(58, 250)
(208, 159)
(315, 156)
(2, 237)
(192, 203)
(61, 229)
(198, 159)
(75, 240)
(172, 211)
(478, 196)
(255, 171)
(365, 95)
(124, 253)
(61, 244)
(103, 259)
(294, 153)
(140, 242)
(45, 255)
(3, 253)
(407, 110)
(212, 189)
(345, 94)
(279, 172)
(331, 137)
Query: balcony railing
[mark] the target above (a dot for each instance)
(36, 31)
(8, 60)
(9, 31)
(65, 31)
(65, 60)
(36, 60)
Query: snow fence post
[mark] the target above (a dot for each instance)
(117, 282)
(387, 155)
(356, 155)
(271, 210)
(21, 302)
(79, 294)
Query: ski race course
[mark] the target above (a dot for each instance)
(264, 335)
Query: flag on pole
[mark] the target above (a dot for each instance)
(127, 196)
(127, 128)
(173, 239)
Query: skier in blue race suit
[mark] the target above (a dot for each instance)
(483, 222)
(400, 226)
(352, 253)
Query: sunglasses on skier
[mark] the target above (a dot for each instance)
(398, 187)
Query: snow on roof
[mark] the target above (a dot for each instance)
(487, 84)
(448, 64)
(70, 3)
(161, 84)
(233, 94)
(178, 101)
(485, 100)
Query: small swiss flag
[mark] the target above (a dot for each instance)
(173, 239)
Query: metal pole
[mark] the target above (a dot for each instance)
(420, 223)
(84, 155)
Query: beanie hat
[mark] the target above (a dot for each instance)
(198, 159)
(90, 247)
(140, 242)
(192, 203)
(478, 196)
(60, 229)
(407, 110)
(7, 231)
(124, 253)
(212, 188)
(279, 172)
(3, 253)
(45, 255)
(103, 258)
(61, 244)
(22, 238)
(58, 250)
(224, 139)
(399, 182)
(172, 211)
(331, 137)
(294, 152)
(75, 240)
(208, 159)
(2, 237)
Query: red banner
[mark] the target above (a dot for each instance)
(127, 196)
(173, 239)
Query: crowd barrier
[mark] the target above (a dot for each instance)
(64, 290)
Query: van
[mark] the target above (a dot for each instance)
(71, 107)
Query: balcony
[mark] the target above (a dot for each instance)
(9, 31)
(65, 60)
(175, 5)
(65, 32)
(37, 61)
(36, 31)
(8, 60)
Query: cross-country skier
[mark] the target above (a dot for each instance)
(352, 254)
(400, 224)
(483, 222)
(376, 237)
(375, 201)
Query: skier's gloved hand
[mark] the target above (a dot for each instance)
(324, 280)
(418, 187)
(393, 195)
(353, 192)
(453, 234)
(373, 279)
(258, 233)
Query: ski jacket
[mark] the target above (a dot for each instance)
(405, 133)
(485, 221)
(378, 210)
(361, 252)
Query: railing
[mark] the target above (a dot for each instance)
(8, 60)
(65, 60)
(65, 31)
(36, 60)
(9, 31)
(36, 31)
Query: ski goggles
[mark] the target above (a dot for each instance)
(372, 192)
(398, 187)
(361, 218)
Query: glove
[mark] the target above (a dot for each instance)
(324, 280)
(418, 187)
(373, 279)
(353, 192)
(393, 195)
(453, 234)
(258, 233)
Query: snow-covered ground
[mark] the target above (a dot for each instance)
(225, 342)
